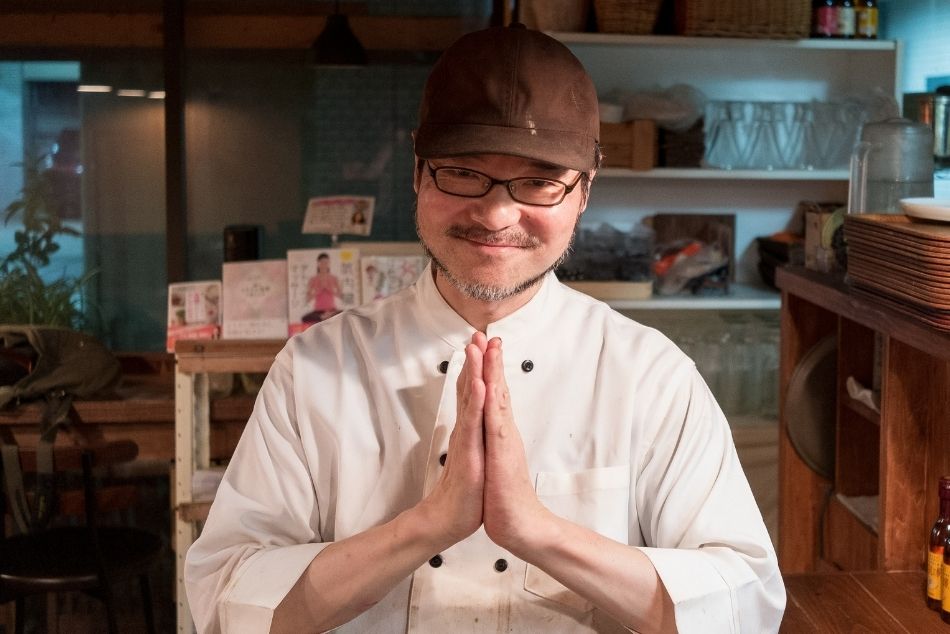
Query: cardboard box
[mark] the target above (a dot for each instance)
(631, 144)
(819, 251)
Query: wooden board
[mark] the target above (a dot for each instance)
(801, 490)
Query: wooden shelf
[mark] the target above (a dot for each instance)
(699, 173)
(862, 410)
(707, 43)
(193, 511)
(740, 297)
(865, 508)
(833, 294)
(227, 355)
(850, 543)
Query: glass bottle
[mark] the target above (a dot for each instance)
(824, 18)
(937, 555)
(866, 16)
(846, 18)
(945, 582)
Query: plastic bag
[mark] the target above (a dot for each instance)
(675, 108)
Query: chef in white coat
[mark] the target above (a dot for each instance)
(488, 450)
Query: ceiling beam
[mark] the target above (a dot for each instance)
(276, 32)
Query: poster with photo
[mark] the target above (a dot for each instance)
(194, 311)
(333, 215)
(255, 299)
(320, 284)
(383, 275)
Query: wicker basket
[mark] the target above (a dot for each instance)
(626, 16)
(789, 19)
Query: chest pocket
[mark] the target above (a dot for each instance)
(597, 499)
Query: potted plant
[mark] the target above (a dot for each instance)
(25, 297)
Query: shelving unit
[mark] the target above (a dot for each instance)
(194, 360)
(877, 509)
(728, 69)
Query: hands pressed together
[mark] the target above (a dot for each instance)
(486, 478)
(485, 482)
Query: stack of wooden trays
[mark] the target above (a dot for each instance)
(902, 263)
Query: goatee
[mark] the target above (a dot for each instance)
(485, 292)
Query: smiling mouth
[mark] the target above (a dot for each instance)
(494, 240)
(494, 245)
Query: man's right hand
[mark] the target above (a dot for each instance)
(454, 507)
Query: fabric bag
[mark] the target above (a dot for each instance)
(54, 365)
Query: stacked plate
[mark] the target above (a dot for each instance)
(903, 263)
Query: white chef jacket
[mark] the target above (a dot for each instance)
(621, 435)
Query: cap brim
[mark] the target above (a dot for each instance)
(567, 149)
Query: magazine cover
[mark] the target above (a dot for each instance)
(255, 299)
(194, 311)
(320, 283)
(383, 275)
(339, 214)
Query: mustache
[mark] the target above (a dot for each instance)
(509, 237)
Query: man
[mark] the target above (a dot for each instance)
(488, 451)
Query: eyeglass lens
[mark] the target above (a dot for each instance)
(528, 190)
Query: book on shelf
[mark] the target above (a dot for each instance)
(383, 275)
(194, 311)
(320, 284)
(255, 299)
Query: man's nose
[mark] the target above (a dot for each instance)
(497, 210)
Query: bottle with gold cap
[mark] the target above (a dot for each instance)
(937, 555)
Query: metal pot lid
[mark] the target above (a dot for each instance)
(810, 407)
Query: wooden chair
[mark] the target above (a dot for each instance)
(72, 555)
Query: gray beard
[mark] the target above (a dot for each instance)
(488, 293)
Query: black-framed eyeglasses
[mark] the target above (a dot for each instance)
(530, 190)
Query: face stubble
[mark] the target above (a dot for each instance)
(487, 292)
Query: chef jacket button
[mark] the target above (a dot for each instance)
(527, 365)
(444, 367)
(436, 561)
(442, 459)
(501, 565)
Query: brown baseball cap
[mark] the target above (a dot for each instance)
(510, 90)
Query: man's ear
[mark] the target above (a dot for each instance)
(417, 175)
(586, 192)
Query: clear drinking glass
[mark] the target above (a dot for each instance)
(764, 152)
(721, 150)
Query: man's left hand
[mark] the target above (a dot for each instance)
(512, 513)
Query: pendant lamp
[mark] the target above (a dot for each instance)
(337, 45)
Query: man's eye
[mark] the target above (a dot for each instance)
(463, 174)
(540, 184)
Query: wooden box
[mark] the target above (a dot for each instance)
(631, 144)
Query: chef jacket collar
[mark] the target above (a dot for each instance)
(454, 330)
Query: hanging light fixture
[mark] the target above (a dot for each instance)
(337, 45)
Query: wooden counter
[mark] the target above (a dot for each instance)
(891, 460)
(858, 602)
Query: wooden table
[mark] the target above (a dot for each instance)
(859, 602)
